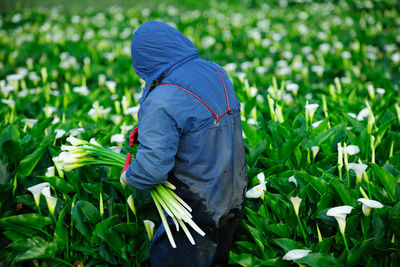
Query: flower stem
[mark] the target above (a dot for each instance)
(345, 242)
(126, 204)
(302, 229)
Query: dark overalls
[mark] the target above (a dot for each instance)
(190, 134)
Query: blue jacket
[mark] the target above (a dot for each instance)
(180, 140)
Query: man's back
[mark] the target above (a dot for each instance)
(189, 133)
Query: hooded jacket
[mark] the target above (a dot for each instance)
(179, 138)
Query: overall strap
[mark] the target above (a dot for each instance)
(198, 98)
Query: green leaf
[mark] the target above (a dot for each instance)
(252, 133)
(248, 246)
(387, 180)
(42, 251)
(94, 189)
(38, 130)
(103, 226)
(10, 133)
(318, 259)
(246, 259)
(83, 214)
(317, 184)
(346, 194)
(131, 229)
(280, 229)
(25, 244)
(255, 152)
(60, 184)
(13, 150)
(31, 220)
(288, 244)
(112, 239)
(61, 234)
(13, 236)
(27, 165)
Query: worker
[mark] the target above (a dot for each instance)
(189, 133)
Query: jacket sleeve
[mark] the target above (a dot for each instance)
(159, 139)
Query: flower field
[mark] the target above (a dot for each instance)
(319, 87)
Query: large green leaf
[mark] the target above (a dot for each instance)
(61, 233)
(103, 226)
(318, 259)
(112, 239)
(31, 220)
(346, 194)
(288, 244)
(387, 180)
(13, 150)
(9, 133)
(46, 250)
(27, 164)
(85, 214)
(60, 184)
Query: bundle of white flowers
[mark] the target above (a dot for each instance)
(81, 153)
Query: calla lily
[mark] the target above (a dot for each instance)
(30, 122)
(296, 254)
(310, 110)
(50, 172)
(296, 201)
(340, 214)
(75, 141)
(315, 150)
(316, 124)
(352, 150)
(94, 142)
(51, 201)
(36, 190)
(292, 179)
(131, 204)
(358, 168)
(76, 131)
(149, 225)
(117, 138)
(59, 133)
(257, 191)
(368, 204)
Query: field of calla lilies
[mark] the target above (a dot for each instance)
(319, 87)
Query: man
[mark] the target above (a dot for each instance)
(190, 134)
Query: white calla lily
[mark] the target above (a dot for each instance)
(75, 141)
(59, 133)
(352, 150)
(36, 191)
(358, 168)
(117, 138)
(368, 204)
(315, 150)
(94, 142)
(340, 214)
(292, 179)
(50, 172)
(310, 110)
(149, 225)
(257, 191)
(51, 201)
(296, 201)
(296, 254)
(131, 204)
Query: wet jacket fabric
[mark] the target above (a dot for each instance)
(181, 141)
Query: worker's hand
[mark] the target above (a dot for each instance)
(133, 137)
(122, 179)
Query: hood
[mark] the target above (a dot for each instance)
(156, 48)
